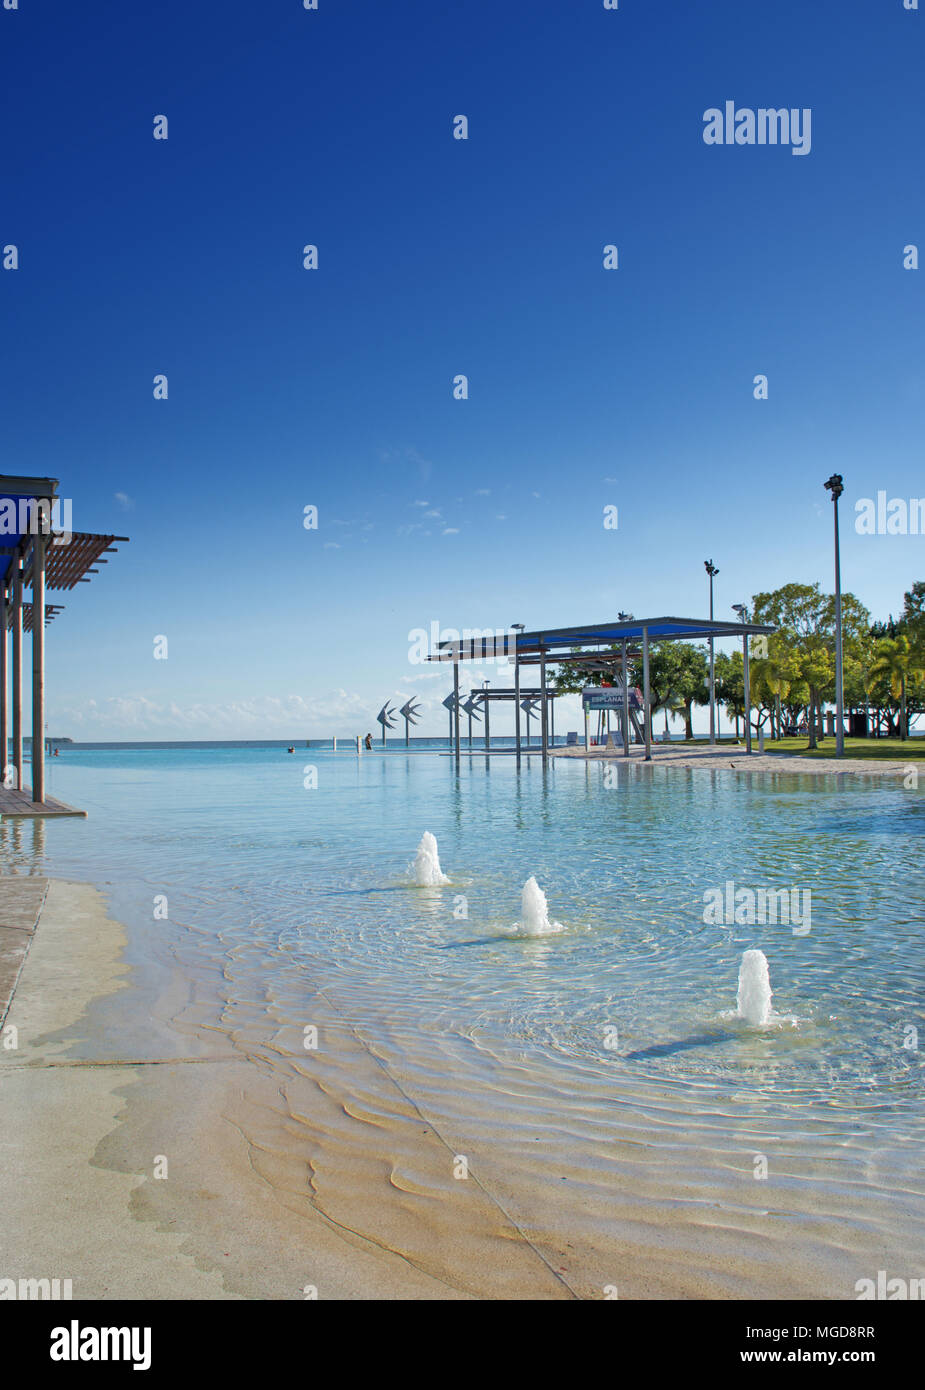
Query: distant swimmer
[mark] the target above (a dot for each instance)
(369, 742)
(290, 749)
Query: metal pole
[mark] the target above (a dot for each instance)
(712, 677)
(17, 672)
(552, 720)
(647, 710)
(4, 679)
(626, 707)
(587, 735)
(748, 697)
(544, 713)
(485, 702)
(839, 685)
(456, 706)
(517, 703)
(38, 663)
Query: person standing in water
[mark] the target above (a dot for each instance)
(369, 742)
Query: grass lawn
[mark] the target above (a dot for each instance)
(889, 749)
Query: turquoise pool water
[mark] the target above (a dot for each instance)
(623, 1022)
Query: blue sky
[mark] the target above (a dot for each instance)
(333, 388)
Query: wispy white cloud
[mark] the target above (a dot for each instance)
(287, 716)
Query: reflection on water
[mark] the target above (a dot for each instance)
(22, 844)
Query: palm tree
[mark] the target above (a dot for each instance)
(898, 660)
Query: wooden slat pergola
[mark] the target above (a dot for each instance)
(36, 552)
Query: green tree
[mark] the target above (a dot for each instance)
(678, 678)
(729, 683)
(805, 619)
(898, 661)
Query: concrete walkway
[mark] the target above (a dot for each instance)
(21, 902)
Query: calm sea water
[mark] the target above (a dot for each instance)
(287, 875)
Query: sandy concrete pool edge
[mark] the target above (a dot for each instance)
(73, 1182)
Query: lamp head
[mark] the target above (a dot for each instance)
(835, 485)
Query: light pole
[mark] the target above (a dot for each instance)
(743, 617)
(712, 571)
(835, 485)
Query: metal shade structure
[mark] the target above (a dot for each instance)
(557, 644)
(36, 551)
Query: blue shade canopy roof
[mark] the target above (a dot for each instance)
(15, 495)
(597, 634)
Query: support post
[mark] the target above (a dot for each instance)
(647, 708)
(517, 704)
(839, 678)
(544, 713)
(4, 679)
(455, 723)
(712, 675)
(486, 703)
(587, 734)
(17, 672)
(748, 696)
(626, 706)
(38, 661)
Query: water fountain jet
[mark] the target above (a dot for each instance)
(753, 1002)
(534, 913)
(426, 867)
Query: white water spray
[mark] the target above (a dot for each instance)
(534, 913)
(426, 867)
(753, 1001)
